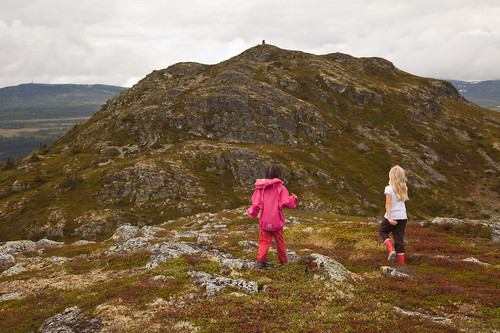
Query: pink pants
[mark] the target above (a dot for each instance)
(265, 240)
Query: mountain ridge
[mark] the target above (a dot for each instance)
(193, 138)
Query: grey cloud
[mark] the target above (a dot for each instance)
(119, 42)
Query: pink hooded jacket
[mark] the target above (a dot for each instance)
(271, 196)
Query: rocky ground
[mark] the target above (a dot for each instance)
(197, 274)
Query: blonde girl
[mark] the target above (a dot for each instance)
(396, 193)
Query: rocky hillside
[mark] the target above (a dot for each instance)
(197, 274)
(192, 138)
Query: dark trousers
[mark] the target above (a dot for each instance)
(398, 232)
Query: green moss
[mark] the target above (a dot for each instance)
(71, 251)
(122, 262)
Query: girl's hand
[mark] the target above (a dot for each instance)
(393, 222)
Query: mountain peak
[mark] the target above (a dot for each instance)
(268, 53)
(193, 138)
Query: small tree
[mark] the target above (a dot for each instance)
(9, 164)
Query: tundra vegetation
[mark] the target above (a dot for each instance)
(449, 284)
(159, 179)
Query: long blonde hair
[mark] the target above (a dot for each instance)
(397, 180)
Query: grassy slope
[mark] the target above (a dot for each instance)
(297, 298)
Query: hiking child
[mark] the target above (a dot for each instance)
(396, 193)
(269, 198)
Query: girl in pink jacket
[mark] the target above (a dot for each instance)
(269, 198)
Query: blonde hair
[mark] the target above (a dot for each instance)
(397, 180)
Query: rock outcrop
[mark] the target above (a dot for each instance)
(71, 321)
(333, 269)
(494, 227)
(216, 283)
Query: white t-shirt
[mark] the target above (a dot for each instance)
(398, 208)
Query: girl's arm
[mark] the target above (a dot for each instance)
(288, 201)
(256, 204)
(388, 205)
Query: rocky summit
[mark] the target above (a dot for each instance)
(193, 138)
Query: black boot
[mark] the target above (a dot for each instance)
(261, 265)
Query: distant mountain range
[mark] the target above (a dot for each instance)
(34, 114)
(53, 100)
(483, 93)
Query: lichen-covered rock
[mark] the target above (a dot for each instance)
(163, 251)
(150, 232)
(216, 283)
(20, 186)
(16, 247)
(11, 296)
(493, 226)
(6, 258)
(48, 243)
(71, 321)
(476, 261)
(125, 232)
(6, 261)
(392, 271)
(292, 256)
(421, 315)
(59, 260)
(200, 236)
(83, 242)
(129, 246)
(14, 270)
(237, 264)
(248, 245)
(333, 269)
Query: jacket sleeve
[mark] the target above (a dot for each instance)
(256, 204)
(287, 200)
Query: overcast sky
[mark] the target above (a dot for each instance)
(118, 42)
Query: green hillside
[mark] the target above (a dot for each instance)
(193, 138)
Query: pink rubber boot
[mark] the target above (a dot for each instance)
(390, 248)
(400, 258)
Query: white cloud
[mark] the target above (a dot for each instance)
(119, 42)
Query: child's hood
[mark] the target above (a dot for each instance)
(263, 183)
